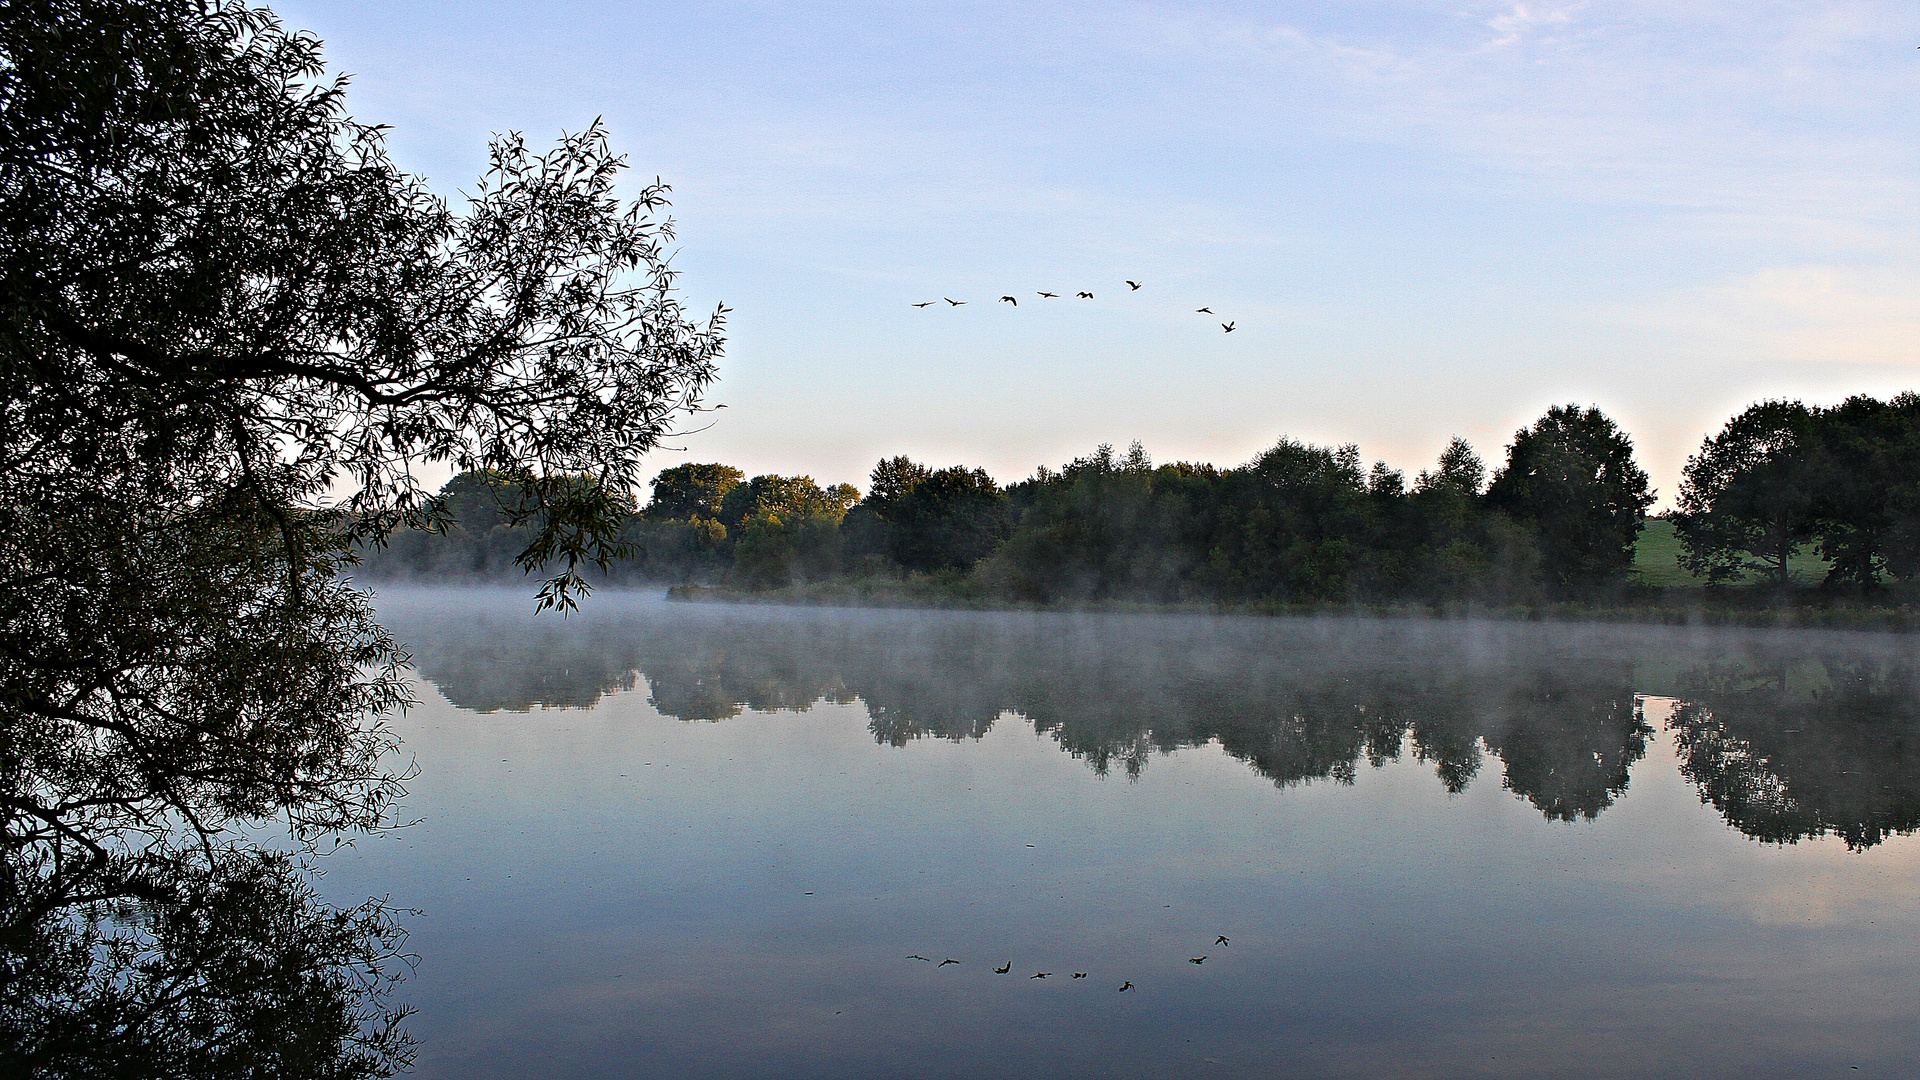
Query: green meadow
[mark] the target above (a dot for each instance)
(1656, 560)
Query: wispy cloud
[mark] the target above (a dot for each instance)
(1798, 314)
(1755, 112)
(1525, 21)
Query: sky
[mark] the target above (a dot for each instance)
(1424, 219)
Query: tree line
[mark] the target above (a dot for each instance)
(1557, 520)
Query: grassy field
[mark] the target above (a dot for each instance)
(1656, 560)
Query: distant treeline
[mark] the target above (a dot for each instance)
(1297, 524)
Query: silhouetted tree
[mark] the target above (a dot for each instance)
(1295, 525)
(1459, 471)
(1448, 534)
(221, 303)
(892, 479)
(1863, 459)
(950, 519)
(1747, 499)
(1571, 478)
(1104, 526)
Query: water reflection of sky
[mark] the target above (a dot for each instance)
(610, 891)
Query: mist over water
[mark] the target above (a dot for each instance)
(702, 840)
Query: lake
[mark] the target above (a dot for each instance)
(696, 840)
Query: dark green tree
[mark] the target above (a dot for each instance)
(1105, 526)
(1448, 534)
(892, 479)
(221, 303)
(1747, 498)
(866, 531)
(918, 518)
(1572, 480)
(1864, 464)
(1459, 471)
(950, 519)
(1296, 525)
(686, 492)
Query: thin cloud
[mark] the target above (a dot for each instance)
(1523, 20)
(1797, 314)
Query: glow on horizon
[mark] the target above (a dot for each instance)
(1425, 219)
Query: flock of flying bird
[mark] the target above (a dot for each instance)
(1219, 942)
(1132, 286)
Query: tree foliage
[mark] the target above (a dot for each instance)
(1747, 497)
(1782, 475)
(1572, 479)
(692, 491)
(926, 519)
(221, 306)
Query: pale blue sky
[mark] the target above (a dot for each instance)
(1425, 218)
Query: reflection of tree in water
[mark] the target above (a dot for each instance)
(1790, 750)
(1298, 702)
(1568, 744)
(539, 667)
(225, 966)
(1785, 749)
(143, 931)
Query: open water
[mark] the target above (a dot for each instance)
(689, 840)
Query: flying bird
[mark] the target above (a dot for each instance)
(948, 960)
(929, 303)
(1227, 326)
(1079, 974)
(1039, 974)
(1050, 295)
(1010, 300)
(1003, 970)
(1126, 986)
(917, 956)
(1196, 959)
(1204, 310)
(1221, 940)
(1084, 295)
(951, 300)
(1133, 286)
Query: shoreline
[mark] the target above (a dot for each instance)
(1900, 618)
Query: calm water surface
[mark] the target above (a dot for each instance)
(688, 840)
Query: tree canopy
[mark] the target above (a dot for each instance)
(1782, 475)
(692, 491)
(1572, 477)
(231, 332)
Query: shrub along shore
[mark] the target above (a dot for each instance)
(1790, 515)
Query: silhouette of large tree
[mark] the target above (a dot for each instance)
(1747, 499)
(230, 330)
(1572, 478)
